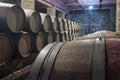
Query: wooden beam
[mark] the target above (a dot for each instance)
(59, 7)
(73, 4)
(59, 4)
(45, 3)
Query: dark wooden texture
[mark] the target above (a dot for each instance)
(6, 48)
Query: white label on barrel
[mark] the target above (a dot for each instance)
(28, 4)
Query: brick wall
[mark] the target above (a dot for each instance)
(94, 20)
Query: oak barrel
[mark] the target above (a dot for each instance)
(57, 37)
(33, 21)
(46, 22)
(66, 25)
(40, 41)
(12, 18)
(50, 38)
(6, 48)
(62, 25)
(63, 38)
(23, 43)
(75, 60)
(56, 25)
(67, 37)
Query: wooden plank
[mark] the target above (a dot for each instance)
(18, 73)
(49, 5)
(58, 4)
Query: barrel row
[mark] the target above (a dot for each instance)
(92, 59)
(15, 19)
(23, 31)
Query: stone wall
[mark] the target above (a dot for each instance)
(94, 20)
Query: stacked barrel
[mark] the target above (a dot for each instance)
(24, 32)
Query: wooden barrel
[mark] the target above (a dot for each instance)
(39, 41)
(67, 37)
(63, 38)
(70, 26)
(50, 37)
(23, 44)
(12, 18)
(56, 24)
(70, 37)
(62, 25)
(66, 25)
(46, 22)
(6, 48)
(58, 37)
(33, 21)
(75, 60)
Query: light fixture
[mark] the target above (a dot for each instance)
(90, 7)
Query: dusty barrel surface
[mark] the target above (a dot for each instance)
(46, 22)
(6, 48)
(12, 18)
(75, 60)
(33, 21)
(23, 43)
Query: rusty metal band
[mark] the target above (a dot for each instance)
(98, 64)
(37, 65)
(50, 62)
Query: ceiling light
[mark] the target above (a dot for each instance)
(90, 7)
